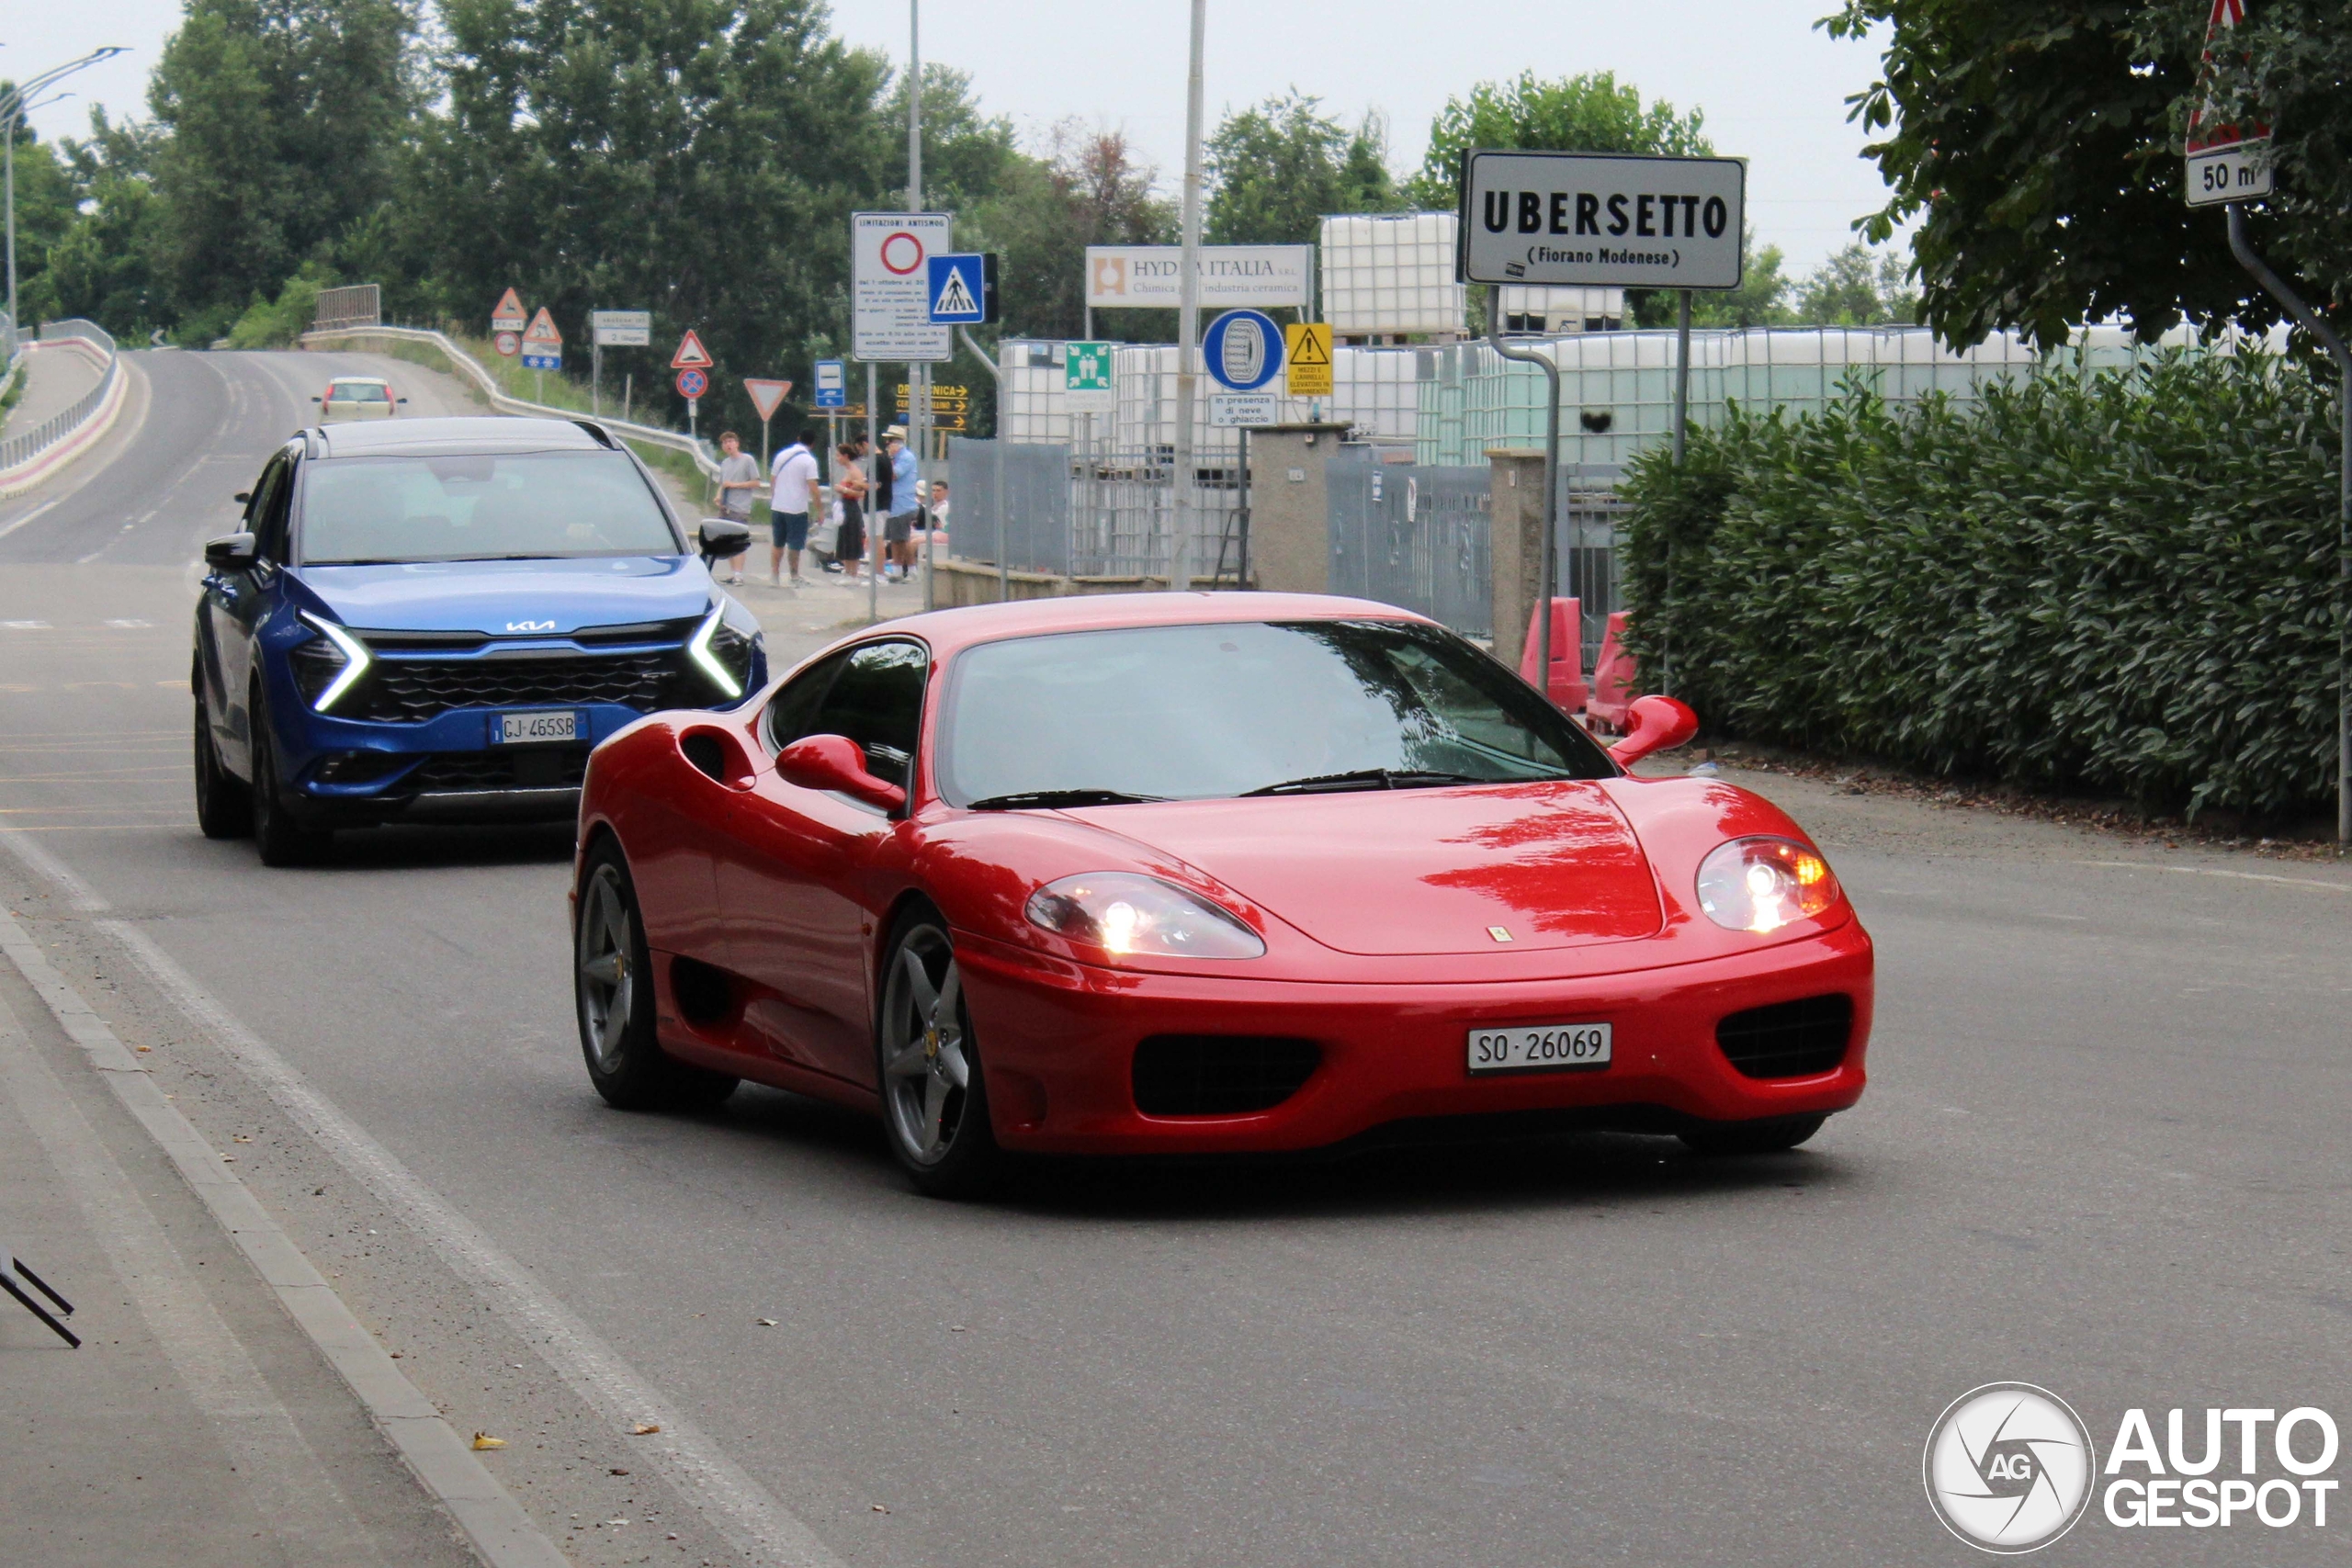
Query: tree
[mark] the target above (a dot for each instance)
(2043, 151)
(281, 118)
(1592, 113)
(1087, 189)
(46, 198)
(104, 266)
(1854, 288)
(1278, 167)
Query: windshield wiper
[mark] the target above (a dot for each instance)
(1049, 799)
(1366, 778)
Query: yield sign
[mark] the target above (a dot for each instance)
(543, 331)
(690, 355)
(767, 396)
(510, 315)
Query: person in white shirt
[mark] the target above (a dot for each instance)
(798, 491)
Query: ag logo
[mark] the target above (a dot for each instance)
(1110, 274)
(530, 625)
(2008, 1468)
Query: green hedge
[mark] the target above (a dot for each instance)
(2120, 582)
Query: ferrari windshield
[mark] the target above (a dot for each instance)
(478, 506)
(1195, 712)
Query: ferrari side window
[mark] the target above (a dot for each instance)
(877, 702)
(792, 713)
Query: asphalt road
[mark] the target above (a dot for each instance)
(2103, 1151)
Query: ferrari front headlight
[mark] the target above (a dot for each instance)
(1761, 884)
(1124, 912)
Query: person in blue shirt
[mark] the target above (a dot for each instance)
(906, 503)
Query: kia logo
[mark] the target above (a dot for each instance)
(530, 625)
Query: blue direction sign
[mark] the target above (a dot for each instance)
(1244, 350)
(833, 385)
(962, 289)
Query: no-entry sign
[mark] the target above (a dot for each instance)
(1610, 220)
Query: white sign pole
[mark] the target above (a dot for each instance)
(1179, 569)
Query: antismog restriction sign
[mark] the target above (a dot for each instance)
(889, 287)
(1592, 219)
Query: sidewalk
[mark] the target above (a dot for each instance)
(195, 1427)
(55, 379)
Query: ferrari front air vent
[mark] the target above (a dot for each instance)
(1220, 1074)
(1789, 1040)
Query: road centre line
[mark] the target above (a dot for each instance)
(494, 1522)
(290, 1489)
(2209, 871)
(735, 1505)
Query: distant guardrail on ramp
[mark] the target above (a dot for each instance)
(30, 457)
(472, 369)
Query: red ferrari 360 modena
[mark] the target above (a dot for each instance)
(1165, 874)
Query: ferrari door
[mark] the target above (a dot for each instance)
(797, 876)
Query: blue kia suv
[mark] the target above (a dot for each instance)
(436, 619)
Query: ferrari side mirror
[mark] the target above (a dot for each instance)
(836, 763)
(723, 536)
(1653, 724)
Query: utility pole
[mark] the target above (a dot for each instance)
(1180, 570)
(918, 374)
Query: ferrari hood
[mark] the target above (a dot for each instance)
(1422, 871)
(501, 598)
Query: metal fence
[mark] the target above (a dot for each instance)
(1587, 541)
(1075, 513)
(23, 447)
(360, 305)
(1414, 535)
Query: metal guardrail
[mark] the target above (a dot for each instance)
(472, 369)
(358, 305)
(19, 450)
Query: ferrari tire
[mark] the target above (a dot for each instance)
(613, 988)
(224, 804)
(1770, 1136)
(934, 1097)
(281, 837)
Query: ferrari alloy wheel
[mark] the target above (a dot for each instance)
(1769, 1136)
(934, 1104)
(281, 840)
(224, 806)
(613, 982)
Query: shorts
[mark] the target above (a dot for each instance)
(789, 529)
(898, 527)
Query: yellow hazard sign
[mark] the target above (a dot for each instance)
(1307, 349)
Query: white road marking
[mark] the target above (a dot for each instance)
(22, 518)
(25, 626)
(735, 1505)
(2209, 871)
(290, 1490)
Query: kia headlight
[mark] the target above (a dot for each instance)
(1123, 913)
(1761, 884)
(722, 646)
(330, 664)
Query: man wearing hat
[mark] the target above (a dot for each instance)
(905, 501)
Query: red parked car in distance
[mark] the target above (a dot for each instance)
(1201, 873)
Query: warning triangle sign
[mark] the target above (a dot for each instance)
(955, 298)
(510, 315)
(690, 355)
(543, 329)
(1313, 347)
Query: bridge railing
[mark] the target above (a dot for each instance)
(30, 456)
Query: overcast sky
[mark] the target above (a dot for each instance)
(1772, 87)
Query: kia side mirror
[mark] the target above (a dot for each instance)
(242, 498)
(836, 763)
(230, 552)
(722, 538)
(1653, 724)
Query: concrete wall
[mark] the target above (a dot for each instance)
(1518, 547)
(1290, 511)
(956, 583)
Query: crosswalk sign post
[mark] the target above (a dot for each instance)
(1307, 354)
(962, 290)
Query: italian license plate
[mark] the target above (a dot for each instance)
(522, 727)
(1539, 1048)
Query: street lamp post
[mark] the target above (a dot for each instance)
(12, 113)
(1180, 566)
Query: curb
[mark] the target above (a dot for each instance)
(494, 1523)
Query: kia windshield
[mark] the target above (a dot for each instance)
(1269, 708)
(478, 506)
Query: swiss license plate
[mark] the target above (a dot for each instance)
(1538, 1048)
(518, 728)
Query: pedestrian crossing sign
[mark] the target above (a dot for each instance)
(1308, 347)
(962, 289)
